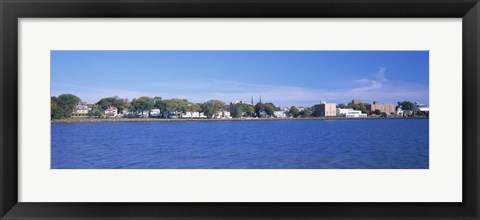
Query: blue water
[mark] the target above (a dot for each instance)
(306, 144)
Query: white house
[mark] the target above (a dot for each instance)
(155, 112)
(193, 115)
(111, 111)
(222, 114)
(279, 114)
(187, 115)
(142, 114)
(350, 113)
(355, 114)
(400, 111)
(343, 111)
(422, 107)
(125, 113)
(263, 114)
(172, 114)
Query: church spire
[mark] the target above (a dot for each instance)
(260, 99)
(251, 101)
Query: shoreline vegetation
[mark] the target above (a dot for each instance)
(100, 120)
(68, 108)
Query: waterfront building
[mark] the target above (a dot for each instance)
(81, 110)
(155, 112)
(325, 109)
(350, 113)
(422, 107)
(111, 111)
(355, 114)
(187, 115)
(126, 113)
(226, 114)
(399, 111)
(387, 108)
(222, 114)
(279, 114)
(263, 114)
(343, 111)
(193, 115)
(142, 114)
(172, 114)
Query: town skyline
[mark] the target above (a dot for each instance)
(287, 78)
(249, 102)
(71, 106)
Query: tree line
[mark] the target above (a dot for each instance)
(64, 105)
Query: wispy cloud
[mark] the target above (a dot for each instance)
(377, 87)
(372, 84)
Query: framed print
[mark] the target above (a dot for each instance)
(225, 109)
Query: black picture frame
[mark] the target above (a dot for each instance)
(12, 10)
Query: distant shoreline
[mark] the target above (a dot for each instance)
(97, 120)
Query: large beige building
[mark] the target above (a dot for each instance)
(325, 109)
(387, 108)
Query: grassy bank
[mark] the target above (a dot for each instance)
(98, 120)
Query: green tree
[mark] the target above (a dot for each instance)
(96, 110)
(96, 113)
(352, 106)
(241, 109)
(132, 109)
(143, 103)
(270, 108)
(406, 105)
(236, 111)
(211, 107)
(377, 112)
(307, 112)
(194, 107)
(160, 104)
(56, 111)
(116, 101)
(294, 111)
(67, 103)
(178, 105)
(259, 107)
(342, 106)
(250, 111)
(361, 106)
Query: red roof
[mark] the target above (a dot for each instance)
(112, 108)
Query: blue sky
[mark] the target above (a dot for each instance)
(301, 78)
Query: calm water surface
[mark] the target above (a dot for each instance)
(293, 144)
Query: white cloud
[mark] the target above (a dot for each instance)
(372, 84)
